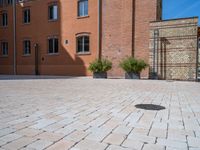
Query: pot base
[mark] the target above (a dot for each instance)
(132, 75)
(102, 75)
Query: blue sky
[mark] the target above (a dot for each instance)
(181, 8)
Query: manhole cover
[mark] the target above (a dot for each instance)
(149, 107)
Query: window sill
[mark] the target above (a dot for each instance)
(82, 17)
(83, 53)
(26, 55)
(26, 23)
(4, 56)
(53, 54)
(4, 27)
(52, 20)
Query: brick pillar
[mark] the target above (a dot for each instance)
(125, 30)
(145, 11)
(117, 32)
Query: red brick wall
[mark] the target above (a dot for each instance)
(125, 30)
(6, 34)
(67, 62)
(116, 32)
(145, 11)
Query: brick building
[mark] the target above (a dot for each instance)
(174, 49)
(61, 37)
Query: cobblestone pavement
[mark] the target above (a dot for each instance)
(87, 114)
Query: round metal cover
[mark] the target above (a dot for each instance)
(149, 107)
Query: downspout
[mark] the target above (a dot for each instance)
(99, 30)
(133, 26)
(197, 64)
(14, 37)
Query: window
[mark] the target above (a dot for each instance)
(4, 19)
(26, 16)
(9, 2)
(83, 44)
(53, 45)
(53, 12)
(4, 48)
(27, 47)
(1, 3)
(82, 8)
(5, 2)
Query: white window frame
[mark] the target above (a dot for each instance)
(83, 44)
(55, 12)
(27, 19)
(53, 38)
(82, 14)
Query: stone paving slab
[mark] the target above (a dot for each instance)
(63, 113)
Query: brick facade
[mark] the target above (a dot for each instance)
(68, 25)
(117, 22)
(173, 46)
(125, 30)
(143, 16)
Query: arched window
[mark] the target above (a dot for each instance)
(83, 44)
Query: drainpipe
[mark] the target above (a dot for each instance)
(197, 66)
(99, 30)
(133, 27)
(14, 37)
(155, 54)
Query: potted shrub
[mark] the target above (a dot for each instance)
(132, 67)
(99, 68)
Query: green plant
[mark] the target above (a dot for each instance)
(100, 65)
(131, 64)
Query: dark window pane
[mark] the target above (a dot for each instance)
(50, 45)
(50, 12)
(4, 48)
(55, 45)
(29, 15)
(24, 47)
(27, 47)
(26, 16)
(80, 44)
(86, 44)
(4, 19)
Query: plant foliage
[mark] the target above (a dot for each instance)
(132, 65)
(100, 65)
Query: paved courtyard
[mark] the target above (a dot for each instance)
(87, 114)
